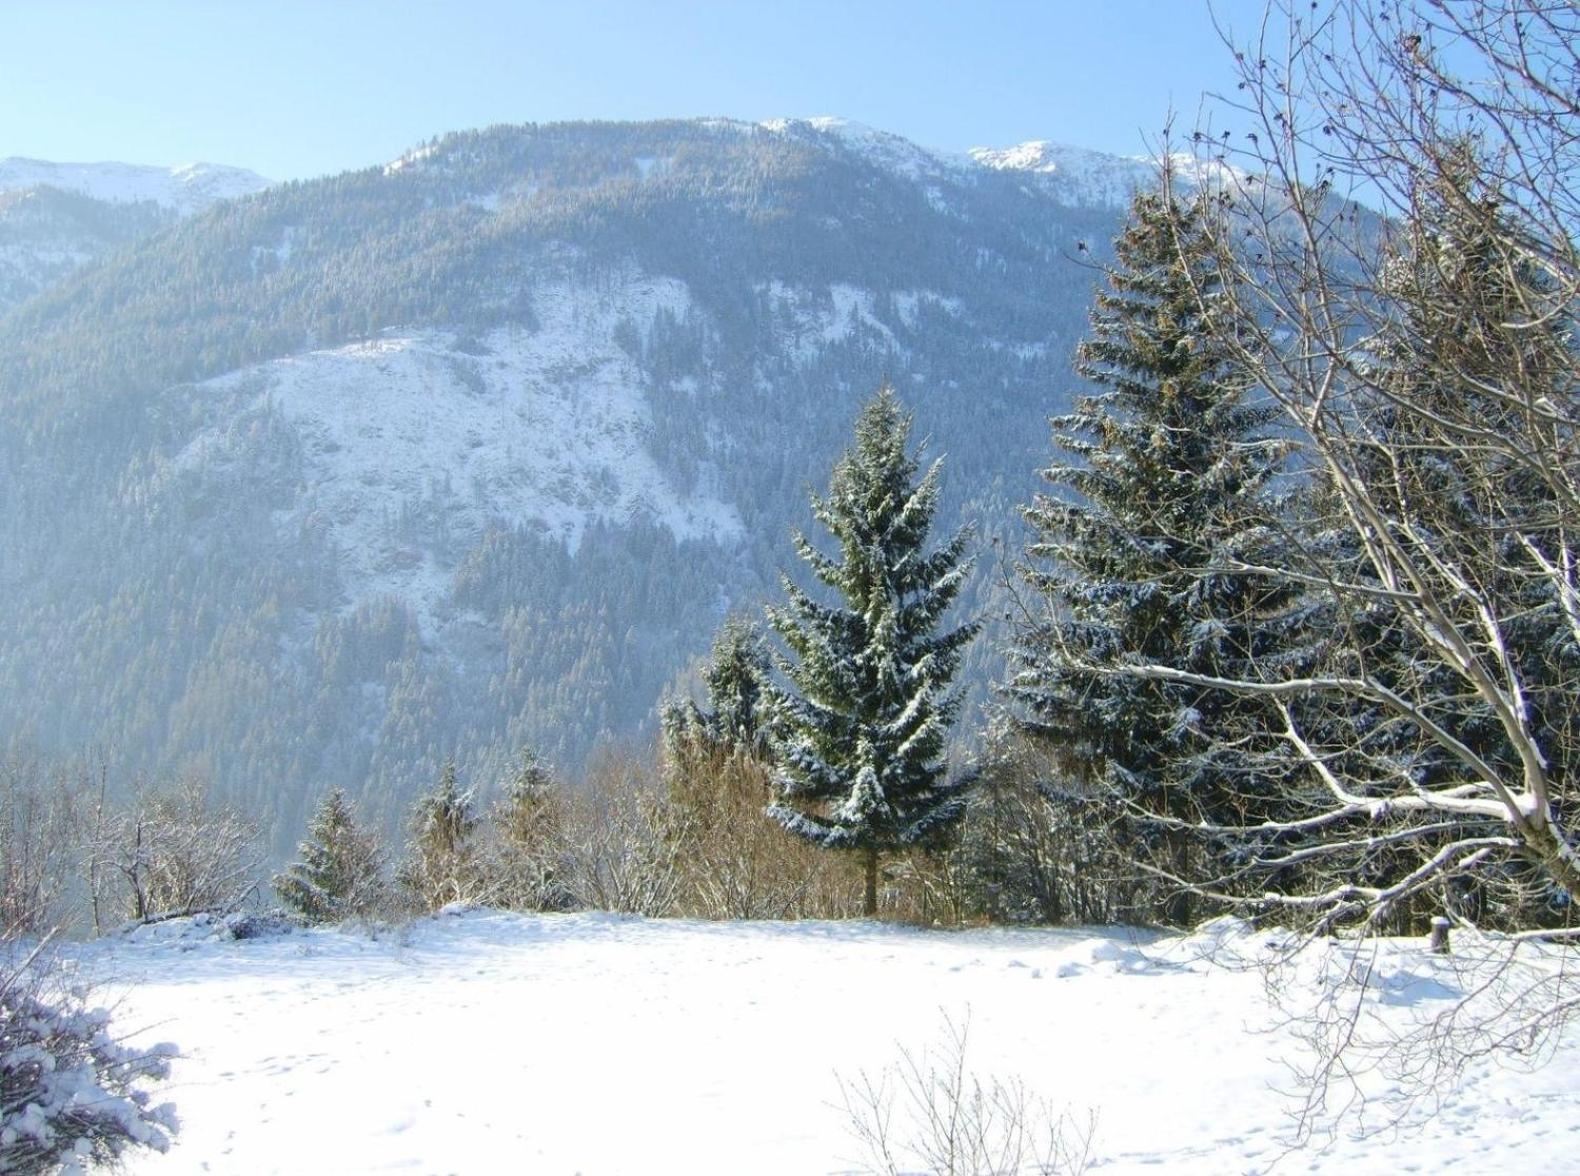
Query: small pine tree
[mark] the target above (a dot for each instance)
(529, 824)
(1166, 487)
(857, 737)
(443, 866)
(341, 872)
(738, 667)
(528, 797)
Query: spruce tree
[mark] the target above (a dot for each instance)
(1164, 485)
(442, 866)
(339, 875)
(858, 734)
(738, 667)
(529, 801)
(529, 826)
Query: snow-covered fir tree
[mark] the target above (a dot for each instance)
(442, 865)
(858, 734)
(737, 670)
(340, 873)
(528, 824)
(1163, 484)
(528, 798)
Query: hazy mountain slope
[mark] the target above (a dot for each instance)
(183, 190)
(57, 217)
(477, 448)
(47, 234)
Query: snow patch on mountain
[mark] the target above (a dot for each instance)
(414, 156)
(1074, 176)
(1077, 175)
(184, 189)
(809, 321)
(543, 426)
(892, 152)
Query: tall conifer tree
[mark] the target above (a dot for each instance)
(1164, 485)
(858, 734)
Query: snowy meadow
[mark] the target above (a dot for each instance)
(478, 1041)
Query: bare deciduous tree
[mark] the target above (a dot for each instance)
(175, 852)
(1426, 363)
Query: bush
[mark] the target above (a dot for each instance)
(71, 1095)
(41, 811)
(1037, 847)
(931, 1113)
(735, 862)
(177, 852)
(623, 841)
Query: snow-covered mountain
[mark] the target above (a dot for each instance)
(57, 217)
(477, 449)
(183, 189)
(1077, 175)
(1072, 176)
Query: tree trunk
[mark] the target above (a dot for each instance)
(1178, 908)
(869, 902)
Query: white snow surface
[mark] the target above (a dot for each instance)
(186, 188)
(543, 426)
(893, 152)
(483, 1042)
(1084, 177)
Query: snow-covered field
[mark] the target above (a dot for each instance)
(482, 1042)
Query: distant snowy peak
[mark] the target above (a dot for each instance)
(1072, 175)
(1078, 175)
(184, 189)
(891, 151)
(1083, 176)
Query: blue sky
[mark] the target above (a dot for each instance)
(294, 89)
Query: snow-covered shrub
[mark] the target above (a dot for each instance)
(71, 1095)
(40, 818)
(177, 853)
(1038, 846)
(624, 841)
